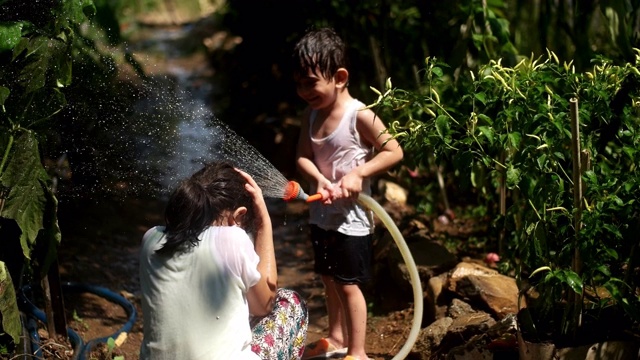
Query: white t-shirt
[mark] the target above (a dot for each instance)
(194, 303)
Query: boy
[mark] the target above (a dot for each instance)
(341, 146)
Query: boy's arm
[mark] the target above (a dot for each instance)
(371, 130)
(304, 159)
(304, 154)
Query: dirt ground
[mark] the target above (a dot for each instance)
(100, 247)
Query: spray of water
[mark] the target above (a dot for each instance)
(232, 147)
(167, 134)
(182, 134)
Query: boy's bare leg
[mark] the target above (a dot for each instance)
(356, 318)
(337, 323)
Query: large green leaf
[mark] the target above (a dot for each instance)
(8, 305)
(26, 201)
(442, 126)
(10, 33)
(78, 11)
(4, 94)
(513, 176)
(487, 132)
(40, 52)
(574, 281)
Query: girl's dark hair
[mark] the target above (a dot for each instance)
(319, 49)
(201, 199)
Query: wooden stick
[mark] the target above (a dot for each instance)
(577, 181)
(575, 301)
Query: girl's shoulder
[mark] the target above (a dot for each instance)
(225, 233)
(152, 231)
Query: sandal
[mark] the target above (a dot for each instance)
(322, 349)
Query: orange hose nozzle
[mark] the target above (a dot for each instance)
(293, 191)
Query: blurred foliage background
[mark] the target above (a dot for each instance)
(249, 43)
(387, 38)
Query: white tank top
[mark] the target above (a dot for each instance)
(335, 156)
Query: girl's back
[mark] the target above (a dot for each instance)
(194, 302)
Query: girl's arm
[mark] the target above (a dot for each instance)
(262, 295)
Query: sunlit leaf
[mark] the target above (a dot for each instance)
(613, 289)
(487, 132)
(26, 201)
(4, 94)
(10, 33)
(604, 270)
(485, 119)
(542, 160)
(11, 323)
(513, 176)
(77, 11)
(574, 281)
(515, 138)
(442, 125)
(61, 69)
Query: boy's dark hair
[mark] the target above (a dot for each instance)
(200, 200)
(319, 50)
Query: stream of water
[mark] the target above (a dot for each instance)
(182, 132)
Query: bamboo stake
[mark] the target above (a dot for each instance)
(577, 182)
(575, 302)
(503, 201)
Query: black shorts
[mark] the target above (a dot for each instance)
(346, 258)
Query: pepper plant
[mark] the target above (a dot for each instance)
(508, 128)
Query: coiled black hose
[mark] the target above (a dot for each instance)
(81, 349)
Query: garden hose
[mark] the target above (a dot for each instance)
(81, 349)
(294, 191)
(374, 206)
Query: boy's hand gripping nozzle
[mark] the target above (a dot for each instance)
(293, 191)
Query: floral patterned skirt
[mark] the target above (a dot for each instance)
(282, 334)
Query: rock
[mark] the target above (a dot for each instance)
(468, 324)
(459, 308)
(447, 333)
(470, 352)
(497, 292)
(393, 192)
(430, 337)
(434, 305)
(472, 335)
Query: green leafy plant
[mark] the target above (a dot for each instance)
(36, 45)
(570, 233)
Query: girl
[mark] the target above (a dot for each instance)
(210, 274)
